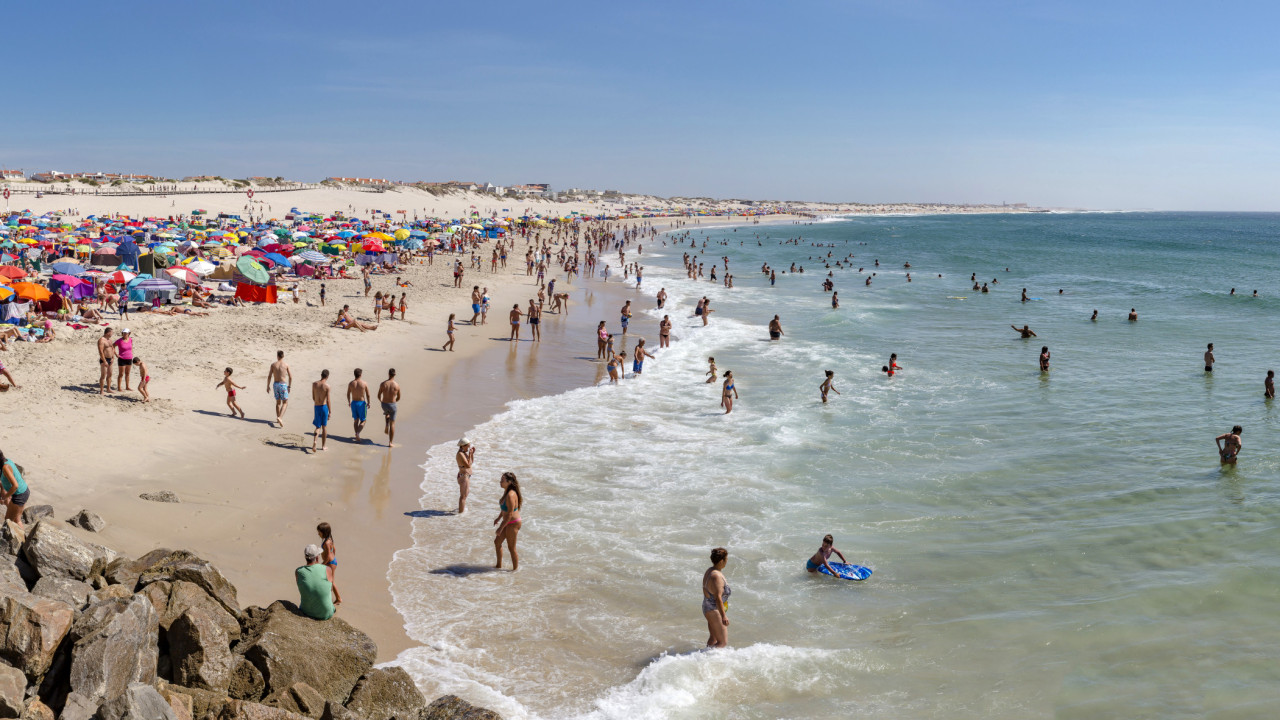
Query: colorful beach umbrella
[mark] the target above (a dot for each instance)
(31, 291)
(253, 270)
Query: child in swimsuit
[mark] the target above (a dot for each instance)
(146, 379)
(231, 392)
(711, 374)
(823, 556)
(329, 556)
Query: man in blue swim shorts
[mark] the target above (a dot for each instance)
(358, 397)
(279, 382)
(320, 396)
(476, 298)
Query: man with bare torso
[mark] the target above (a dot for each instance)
(389, 395)
(320, 421)
(280, 382)
(358, 398)
(106, 358)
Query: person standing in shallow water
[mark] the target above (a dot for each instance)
(715, 600)
(828, 385)
(466, 458)
(508, 520)
(728, 392)
(1269, 385)
(1044, 359)
(1229, 445)
(1208, 359)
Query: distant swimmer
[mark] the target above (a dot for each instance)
(828, 385)
(662, 298)
(1233, 291)
(1024, 295)
(823, 556)
(728, 392)
(711, 374)
(1044, 359)
(985, 289)
(1094, 317)
(868, 283)
(1133, 315)
(1268, 385)
(1208, 359)
(893, 363)
(835, 297)
(1229, 445)
(1025, 331)
(775, 328)
(1255, 293)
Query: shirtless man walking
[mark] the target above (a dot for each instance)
(280, 382)
(389, 395)
(320, 421)
(358, 398)
(535, 320)
(106, 359)
(466, 457)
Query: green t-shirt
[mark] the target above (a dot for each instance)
(316, 591)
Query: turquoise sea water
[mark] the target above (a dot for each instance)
(1044, 545)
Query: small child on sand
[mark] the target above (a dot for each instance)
(823, 556)
(329, 556)
(144, 379)
(231, 392)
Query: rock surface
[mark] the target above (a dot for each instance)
(184, 596)
(283, 644)
(114, 644)
(299, 698)
(183, 565)
(37, 710)
(31, 628)
(54, 551)
(63, 589)
(138, 702)
(386, 694)
(86, 520)
(164, 496)
(200, 650)
(12, 537)
(13, 690)
(10, 577)
(452, 707)
(32, 514)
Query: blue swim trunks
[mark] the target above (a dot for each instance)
(282, 391)
(359, 408)
(637, 366)
(321, 418)
(475, 307)
(625, 320)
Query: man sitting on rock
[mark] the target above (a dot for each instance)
(314, 586)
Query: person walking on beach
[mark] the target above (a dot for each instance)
(728, 392)
(389, 395)
(475, 304)
(320, 419)
(466, 458)
(1269, 385)
(626, 316)
(1025, 331)
(508, 520)
(329, 556)
(231, 392)
(106, 359)
(715, 600)
(664, 332)
(828, 385)
(1229, 445)
(1208, 359)
(1044, 359)
(13, 490)
(124, 359)
(448, 345)
(775, 328)
(358, 398)
(280, 382)
(514, 316)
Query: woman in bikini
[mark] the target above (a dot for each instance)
(508, 520)
(377, 306)
(1229, 445)
(715, 599)
(329, 556)
(728, 392)
(449, 345)
(602, 336)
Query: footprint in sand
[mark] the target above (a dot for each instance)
(288, 440)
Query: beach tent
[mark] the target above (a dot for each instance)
(146, 289)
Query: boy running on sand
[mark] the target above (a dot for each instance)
(231, 392)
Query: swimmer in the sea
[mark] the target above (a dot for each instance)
(1044, 359)
(1208, 359)
(1094, 317)
(822, 558)
(1269, 385)
(1229, 445)
(828, 385)
(1024, 295)
(1025, 331)
(1133, 315)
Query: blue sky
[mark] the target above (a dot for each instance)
(1083, 104)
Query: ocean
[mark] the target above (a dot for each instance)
(1061, 544)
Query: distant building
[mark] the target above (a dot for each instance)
(358, 181)
(12, 175)
(200, 178)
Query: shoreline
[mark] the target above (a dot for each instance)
(250, 496)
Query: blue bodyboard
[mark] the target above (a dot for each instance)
(847, 572)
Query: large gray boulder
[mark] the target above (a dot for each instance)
(113, 645)
(183, 565)
(12, 537)
(386, 694)
(247, 682)
(63, 589)
(200, 650)
(13, 690)
(452, 707)
(31, 628)
(32, 514)
(86, 520)
(184, 596)
(202, 703)
(10, 576)
(123, 571)
(139, 701)
(299, 698)
(54, 551)
(285, 646)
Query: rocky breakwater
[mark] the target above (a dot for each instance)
(88, 634)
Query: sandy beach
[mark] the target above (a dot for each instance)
(250, 493)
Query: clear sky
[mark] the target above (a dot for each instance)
(1163, 105)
